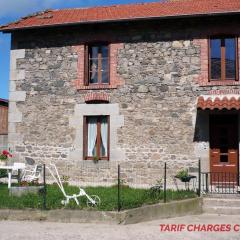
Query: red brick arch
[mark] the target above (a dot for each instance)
(94, 96)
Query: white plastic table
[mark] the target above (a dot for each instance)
(10, 169)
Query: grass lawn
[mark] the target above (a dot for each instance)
(130, 198)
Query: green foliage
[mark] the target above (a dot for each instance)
(95, 159)
(155, 190)
(182, 173)
(3, 157)
(184, 176)
(3, 173)
(65, 180)
(159, 182)
(130, 198)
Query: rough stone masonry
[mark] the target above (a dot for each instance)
(153, 112)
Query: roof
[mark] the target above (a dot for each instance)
(219, 102)
(3, 100)
(125, 12)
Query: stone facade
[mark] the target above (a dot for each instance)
(156, 120)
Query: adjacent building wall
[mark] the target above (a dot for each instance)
(3, 124)
(3, 142)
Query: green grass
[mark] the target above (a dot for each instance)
(130, 198)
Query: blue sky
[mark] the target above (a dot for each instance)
(11, 10)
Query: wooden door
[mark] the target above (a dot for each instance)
(224, 149)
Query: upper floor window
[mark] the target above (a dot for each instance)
(223, 58)
(97, 64)
(96, 137)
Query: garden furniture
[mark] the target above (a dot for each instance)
(16, 173)
(10, 169)
(32, 175)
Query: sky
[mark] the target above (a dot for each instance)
(11, 10)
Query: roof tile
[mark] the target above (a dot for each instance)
(125, 12)
(217, 103)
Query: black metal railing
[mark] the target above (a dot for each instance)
(220, 182)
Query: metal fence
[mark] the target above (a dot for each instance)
(129, 189)
(220, 183)
(167, 187)
(132, 188)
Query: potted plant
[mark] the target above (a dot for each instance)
(4, 157)
(184, 176)
(95, 159)
(155, 190)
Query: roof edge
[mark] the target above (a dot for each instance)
(4, 100)
(6, 30)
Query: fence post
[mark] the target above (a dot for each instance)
(165, 183)
(119, 182)
(44, 188)
(19, 177)
(206, 182)
(199, 177)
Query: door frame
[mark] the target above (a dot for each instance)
(225, 113)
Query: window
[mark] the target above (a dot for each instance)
(97, 64)
(96, 137)
(223, 59)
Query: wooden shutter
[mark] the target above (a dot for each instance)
(3, 120)
(86, 65)
(85, 138)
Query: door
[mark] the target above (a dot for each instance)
(224, 149)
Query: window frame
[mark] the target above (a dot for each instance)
(85, 137)
(87, 64)
(223, 59)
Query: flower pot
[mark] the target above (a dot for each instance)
(185, 179)
(2, 163)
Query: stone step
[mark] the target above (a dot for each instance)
(221, 202)
(223, 196)
(222, 210)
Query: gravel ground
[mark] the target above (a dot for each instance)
(143, 231)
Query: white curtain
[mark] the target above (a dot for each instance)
(92, 135)
(104, 134)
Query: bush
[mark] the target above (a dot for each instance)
(3, 173)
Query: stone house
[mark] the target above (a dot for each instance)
(136, 85)
(3, 124)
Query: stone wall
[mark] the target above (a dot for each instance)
(159, 64)
(3, 142)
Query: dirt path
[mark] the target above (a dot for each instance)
(142, 231)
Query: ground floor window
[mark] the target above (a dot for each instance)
(96, 137)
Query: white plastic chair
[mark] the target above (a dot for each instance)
(92, 200)
(32, 175)
(18, 165)
(17, 170)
